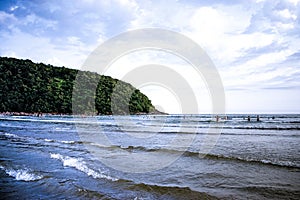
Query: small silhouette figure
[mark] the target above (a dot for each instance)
(217, 118)
(248, 118)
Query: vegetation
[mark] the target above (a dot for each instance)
(35, 87)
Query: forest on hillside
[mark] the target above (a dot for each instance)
(31, 87)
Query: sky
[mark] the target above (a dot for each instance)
(255, 45)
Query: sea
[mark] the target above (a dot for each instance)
(150, 157)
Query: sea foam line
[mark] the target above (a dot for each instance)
(80, 165)
(68, 142)
(11, 135)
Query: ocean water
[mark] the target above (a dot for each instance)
(150, 157)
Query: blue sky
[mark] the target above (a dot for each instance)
(255, 45)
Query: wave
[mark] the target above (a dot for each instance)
(169, 192)
(140, 191)
(85, 193)
(252, 127)
(80, 165)
(262, 128)
(14, 136)
(70, 121)
(43, 142)
(68, 141)
(62, 129)
(292, 122)
(205, 132)
(63, 141)
(187, 123)
(287, 164)
(196, 129)
(200, 155)
(21, 174)
(264, 134)
(11, 135)
(48, 140)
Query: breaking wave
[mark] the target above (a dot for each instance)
(80, 165)
(21, 174)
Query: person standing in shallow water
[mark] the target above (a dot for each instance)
(257, 118)
(248, 118)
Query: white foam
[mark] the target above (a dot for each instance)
(63, 141)
(22, 174)
(11, 135)
(80, 165)
(62, 129)
(56, 156)
(67, 142)
(266, 161)
(48, 140)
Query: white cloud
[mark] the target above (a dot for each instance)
(73, 40)
(247, 42)
(161, 14)
(295, 2)
(287, 14)
(259, 72)
(185, 72)
(41, 49)
(55, 61)
(250, 42)
(13, 8)
(6, 16)
(131, 4)
(221, 32)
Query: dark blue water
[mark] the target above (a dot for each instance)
(150, 157)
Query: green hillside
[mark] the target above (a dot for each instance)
(35, 87)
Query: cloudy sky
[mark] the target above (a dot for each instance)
(255, 45)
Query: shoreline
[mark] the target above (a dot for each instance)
(35, 114)
(41, 114)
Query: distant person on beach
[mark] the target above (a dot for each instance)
(248, 118)
(257, 118)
